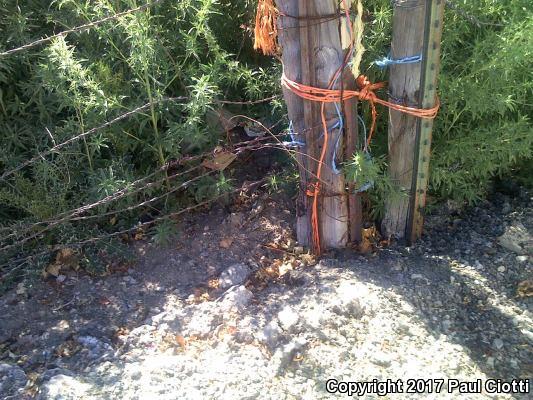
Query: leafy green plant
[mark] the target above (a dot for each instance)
(484, 126)
(370, 176)
(164, 232)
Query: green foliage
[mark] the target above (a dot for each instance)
(370, 176)
(164, 232)
(195, 49)
(210, 187)
(484, 126)
(201, 50)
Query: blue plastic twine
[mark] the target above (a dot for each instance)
(294, 142)
(387, 61)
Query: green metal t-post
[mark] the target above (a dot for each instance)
(429, 80)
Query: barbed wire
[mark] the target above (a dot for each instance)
(73, 214)
(130, 189)
(80, 28)
(23, 260)
(87, 133)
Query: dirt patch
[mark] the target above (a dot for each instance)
(279, 323)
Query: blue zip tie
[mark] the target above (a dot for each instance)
(387, 61)
(293, 142)
(340, 125)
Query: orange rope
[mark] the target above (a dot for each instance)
(265, 40)
(265, 27)
(365, 92)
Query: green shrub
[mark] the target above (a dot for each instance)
(484, 127)
(201, 50)
(70, 85)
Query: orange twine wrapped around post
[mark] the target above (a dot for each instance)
(266, 32)
(265, 40)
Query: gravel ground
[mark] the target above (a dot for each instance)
(456, 306)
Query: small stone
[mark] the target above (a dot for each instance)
(298, 250)
(226, 243)
(236, 299)
(506, 208)
(514, 238)
(269, 334)
(288, 318)
(130, 280)
(236, 219)
(498, 344)
(49, 374)
(521, 259)
(490, 250)
(284, 356)
(501, 268)
(234, 275)
(446, 324)
(381, 359)
(490, 362)
(61, 278)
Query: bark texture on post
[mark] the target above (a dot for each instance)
(289, 40)
(311, 55)
(404, 87)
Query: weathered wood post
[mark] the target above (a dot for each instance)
(417, 28)
(310, 41)
(404, 87)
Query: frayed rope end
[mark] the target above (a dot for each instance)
(266, 32)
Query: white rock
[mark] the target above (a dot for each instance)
(236, 299)
(288, 318)
(501, 268)
(269, 334)
(514, 238)
(498, 344)
(347, 300)
(12, 380)
(234, 275)
(63, 387)
(204, 319)
(521, 259)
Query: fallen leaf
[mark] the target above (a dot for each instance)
(52, 269)
(525, 288)
(226, 243)
(284, 268)
(370, 239)
(213, 283)
(139, 235)
(181, 341)
(219, 161)
(104, 301)
(308, 259)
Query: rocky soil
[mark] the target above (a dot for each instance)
(212, 319)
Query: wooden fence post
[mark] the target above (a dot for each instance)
(417, 30)
(311, 55)
(404, 88)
